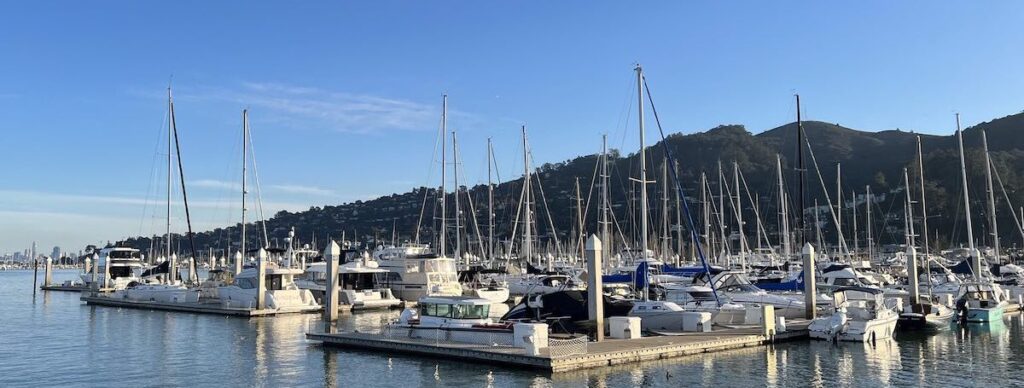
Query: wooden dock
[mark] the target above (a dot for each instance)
(598, 354)
(195, 308)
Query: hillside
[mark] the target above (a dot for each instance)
(868, 158)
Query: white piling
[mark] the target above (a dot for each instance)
(106, 271)
(810, 294)
(95, 268)
(595, 296)
(172, 269)
(48, 273)
(331, 254)
(238, 262)
(261, 279)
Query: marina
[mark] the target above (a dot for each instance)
(466, 194)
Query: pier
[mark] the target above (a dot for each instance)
(595, 354)
(186, 307)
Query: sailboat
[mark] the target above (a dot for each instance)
(171, 290)
(982, 300)
(920, 313)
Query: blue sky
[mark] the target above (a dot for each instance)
(345, 98)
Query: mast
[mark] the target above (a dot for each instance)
(839, 206)
(706, 210)
(458, 209)
(786, 249)
(490, 203)
(739, 215)
(924, 207)
(245, 141)
(605, 222)
(721, 214)
(665, 238)
(801, 171)
(856, 243)
(444, 221)
(915, 298)
(817, 225)
(871, 242)
(527, 223)
(170, 168)
(991, 197)
(643, 165)
(579, 220)
(976, 261)
(910, 210)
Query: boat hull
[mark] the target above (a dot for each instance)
(982, 315)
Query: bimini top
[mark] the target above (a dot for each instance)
(869, 290)
(464, 300)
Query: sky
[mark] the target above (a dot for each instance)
(345, 97)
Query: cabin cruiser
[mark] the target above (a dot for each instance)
(859, 314)
(838, 276)
(416, 273)
(153, 292)
(358, 282)
(126, 266)
(215, 279)
(281, 292)
(982, 302)
(702, 298)
(458, 312)
(737, 288)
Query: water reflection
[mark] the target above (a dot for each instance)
(57, 341)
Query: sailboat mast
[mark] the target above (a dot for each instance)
(839, 206)
(665, 237)
(801, 172)
(739, 215)
(490, 203)
(170, 139)
(871, 242)
(924, 207)
(444, 220)
(605, 228)
(579, 220)
(784, 221)
(706, 209)
(994, 227)
(245, 142)
(967, 197)
(643, 164)
(527, 222)
(458, 221)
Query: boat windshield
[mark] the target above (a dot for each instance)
(439, 265)
(124, 254)
(456, 311)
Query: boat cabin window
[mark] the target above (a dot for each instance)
(439, 265)
(245, 283)
(845, 282)
(412, 267)
(456, 311)
(124, 254)
(120, 272)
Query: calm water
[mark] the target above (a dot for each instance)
(54, 340)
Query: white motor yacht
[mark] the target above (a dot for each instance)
(416, 273)
(859, 314)
(358, 281)
(126, 266)
(281, 292)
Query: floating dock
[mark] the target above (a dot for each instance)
(66, 288)
(196, 308)
(597, 354)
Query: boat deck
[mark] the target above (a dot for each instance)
(196, 308)
(597, 354)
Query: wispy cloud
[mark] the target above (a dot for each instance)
(315, 108)
(303, 189)
(43, 199)
(216, 184)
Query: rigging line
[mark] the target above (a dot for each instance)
(472, 211)
(551, 221)
(184, 193)
(152, 176)
(590, 192)
(757, 214)
(426, 189)
(679, 186)
(843, 249)
(1006, 196)
(259, 190)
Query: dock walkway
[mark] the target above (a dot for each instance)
(198, 308)
(597, 354)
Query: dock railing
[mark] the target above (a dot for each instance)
(439, 337)
(567, 347)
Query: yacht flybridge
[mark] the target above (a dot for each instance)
(360, 281)
(414, 272)
(126, 267)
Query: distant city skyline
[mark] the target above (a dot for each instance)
(345, 99)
